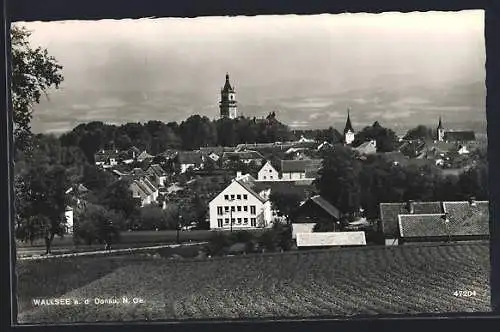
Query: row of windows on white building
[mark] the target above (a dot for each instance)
(239, 221)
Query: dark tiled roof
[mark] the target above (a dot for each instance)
(311, 165)
(244, 155)
(427, 225)
(468, 219)
(463, 135)
(156, 170)
(463, 219)
(322, 203)
(389, 213)
(190, 157)
(249, 186)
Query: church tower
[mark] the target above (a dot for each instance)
(440, 131)
(348, 130)
(227, 104)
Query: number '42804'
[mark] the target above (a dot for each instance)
(464, 293)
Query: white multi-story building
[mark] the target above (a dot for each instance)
(239, 206)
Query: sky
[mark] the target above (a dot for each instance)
(391, 67)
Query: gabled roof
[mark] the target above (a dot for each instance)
(325, 205)
(389, 213)
(270, 164)
(291, 166)
(138, 172)
(190, 158)
(156, 170)
(459, 135)
(461, 219)
(249, 186)
(135, 150)
(366, 147)
(144, 155)
(245, 155)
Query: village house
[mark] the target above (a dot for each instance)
(312, 211)
(268, 173)
(144, 191)
(157, 174)
(245, 156)
(143, 156)
(434, 221)
(367, 148)
(239, 206)
(189, 160)
(106, 158)
(292, 170)
(77, 196)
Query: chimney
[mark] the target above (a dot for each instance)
(410, 207)
(472, 201)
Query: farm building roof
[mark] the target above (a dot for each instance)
(321, 203)
(324, 239)
(135, 150)
(156, 170)
(104, 155)
(250, 187)
(462, 219)
(189, 158)
(459, 135)
(288, 187)
(244, 155)
(292, 166)
(144, 155)
(389, 213)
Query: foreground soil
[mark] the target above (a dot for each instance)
(343, 282)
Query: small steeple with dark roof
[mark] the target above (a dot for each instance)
(440, 125)
(348, 125)
(227, 86)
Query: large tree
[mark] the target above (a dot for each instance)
(338, 180)
(385, 138)
(95, 223)
(34, 72)
(40, 203)
(420, 132)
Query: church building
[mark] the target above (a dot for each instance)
(454, 136)
(348, 130)
(228, 104)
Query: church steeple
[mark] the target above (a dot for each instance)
(440, 131)
(228, 104)
(348, 124)
(348, 130)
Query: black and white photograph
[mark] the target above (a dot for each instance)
(268, 167)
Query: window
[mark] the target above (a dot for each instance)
(226, 221)
(253, 222)
(265, 177)
(226, 197)
(245, 220)
(253, 210)
(232, 197)
(270, 171)
(245, 196)
(238, 196)
(271, 177)
(226, 208)
(245, 208)
(219, 222)
(232, 220)
(239, 208)
(239, 220)
(232, 208)
(219, 210)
